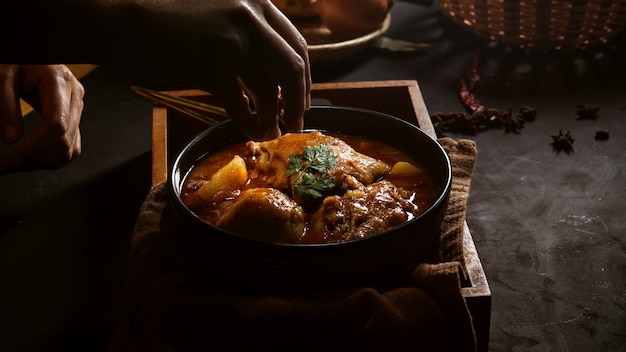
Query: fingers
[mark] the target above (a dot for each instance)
(237, 105)
(291, 34)
(266, 106)
(10, 113)
(264, 92)
(283, 53)
(56, 141)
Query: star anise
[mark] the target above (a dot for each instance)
(513, 123)
(453, 122)
(528, 114)
(481, 120)
(586, 112)
(563, 142)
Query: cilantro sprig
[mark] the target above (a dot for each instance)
(311, 169)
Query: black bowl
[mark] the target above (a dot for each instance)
(374, 261)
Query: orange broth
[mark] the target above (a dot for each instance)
(422, 186)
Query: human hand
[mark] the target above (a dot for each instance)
(57, 95)
(242, 51)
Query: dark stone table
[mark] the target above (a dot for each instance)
(548, 225)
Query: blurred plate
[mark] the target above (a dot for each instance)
(325, 47)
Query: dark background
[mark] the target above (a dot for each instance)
(548, 226)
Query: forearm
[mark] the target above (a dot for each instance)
(243, 51)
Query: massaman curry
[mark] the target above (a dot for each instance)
(307, 188)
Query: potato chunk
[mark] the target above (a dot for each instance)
(229, 178)
(403, 169)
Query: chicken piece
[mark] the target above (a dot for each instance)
(264, 214)
(362, 212)
(352, 170)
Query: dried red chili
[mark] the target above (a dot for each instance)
(467, 84)
(468, 99)
(478, 117)
(472, 71)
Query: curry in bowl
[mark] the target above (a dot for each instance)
(308, 188)
(262, 215)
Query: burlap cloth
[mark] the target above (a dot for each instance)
(166, 306)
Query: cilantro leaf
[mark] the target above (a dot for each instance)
(311, 168)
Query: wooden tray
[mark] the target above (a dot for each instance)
(171, 130)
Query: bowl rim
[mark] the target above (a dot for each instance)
(175, 180)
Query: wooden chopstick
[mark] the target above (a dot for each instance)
(189, 107)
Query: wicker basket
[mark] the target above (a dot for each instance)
(540, 24)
